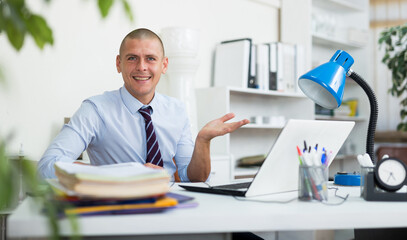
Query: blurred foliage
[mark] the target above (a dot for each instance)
(17, 21)
(395, 41)
(7, 188)
(18, 177)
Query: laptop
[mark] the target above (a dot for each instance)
(279, 171)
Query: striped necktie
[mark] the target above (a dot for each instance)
(153, 150)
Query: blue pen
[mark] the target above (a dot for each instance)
(323, 158)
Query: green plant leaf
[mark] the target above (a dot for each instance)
(385, 58)
(403, 114)
(404, 30)
(39, 30)
(388, 41)
(127, 10)
(6, 186)
(104, 7)
(2, 18)
(15, 34)
(404, 102)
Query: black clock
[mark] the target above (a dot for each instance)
(391, 174)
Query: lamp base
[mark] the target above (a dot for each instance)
(372, 193)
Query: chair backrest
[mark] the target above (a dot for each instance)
(176, 176)
(399, 152)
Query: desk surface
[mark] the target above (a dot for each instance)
(219, 214)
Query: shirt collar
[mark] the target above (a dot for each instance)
(133, 104)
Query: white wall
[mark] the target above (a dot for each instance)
(46, 86)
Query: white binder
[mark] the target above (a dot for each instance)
(233, 63)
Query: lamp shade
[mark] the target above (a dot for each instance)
(325, 84)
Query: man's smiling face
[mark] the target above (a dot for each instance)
(141, 62)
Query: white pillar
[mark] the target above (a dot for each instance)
(181, 48)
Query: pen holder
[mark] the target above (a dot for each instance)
(313, 183)
(363, 173)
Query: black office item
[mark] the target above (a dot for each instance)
(391, 174)
(237, 189)
(382, 182)
(372, 193)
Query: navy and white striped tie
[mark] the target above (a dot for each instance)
(153, 150)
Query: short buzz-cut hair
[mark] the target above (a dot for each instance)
(142, 33)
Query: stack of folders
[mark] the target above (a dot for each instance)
(267, 66)
(124, 188)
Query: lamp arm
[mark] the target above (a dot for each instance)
(373, 112)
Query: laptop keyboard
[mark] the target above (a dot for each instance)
(234, 186)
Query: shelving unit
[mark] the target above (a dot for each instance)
(252, 139)
(255, 139)
(322, 40)
(340, 118)
(332, 21)
(338, 5)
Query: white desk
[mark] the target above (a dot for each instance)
(224, 214)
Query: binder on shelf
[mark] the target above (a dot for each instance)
(288, 60)
(263, 66)
(280, 67)
(277, 67)
(273, 66)
(253, 83)
(234, 64)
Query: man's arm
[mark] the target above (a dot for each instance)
(200, 165)
(72, 140)
(66, 147)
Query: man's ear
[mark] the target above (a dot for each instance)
(165, 65)
(119, 70)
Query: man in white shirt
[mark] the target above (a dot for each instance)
(112, 129)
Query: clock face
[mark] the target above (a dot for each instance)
(391, 174)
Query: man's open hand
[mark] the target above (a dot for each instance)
(218, 127)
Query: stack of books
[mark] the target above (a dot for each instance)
(124, 188)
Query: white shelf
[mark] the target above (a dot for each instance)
(240, 172)
(332, 42)
(340, 118)
(262, 126)
(266, 92)
(337, 5)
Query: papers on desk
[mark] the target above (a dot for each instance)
(118, 181)
(126, 188)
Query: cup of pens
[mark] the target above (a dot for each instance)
(313, 183)
(313, 175)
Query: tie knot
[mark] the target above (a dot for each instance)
(145, 112)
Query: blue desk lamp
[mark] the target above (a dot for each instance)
(325, 85)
